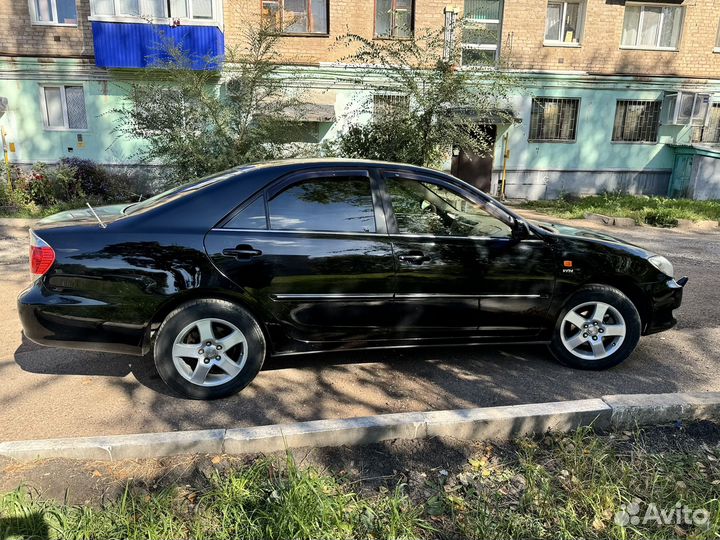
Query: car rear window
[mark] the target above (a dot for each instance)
(184, 189)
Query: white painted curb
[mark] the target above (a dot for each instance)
(471, 424)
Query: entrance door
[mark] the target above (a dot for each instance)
(475, 170)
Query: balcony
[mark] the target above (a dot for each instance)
(138, 33)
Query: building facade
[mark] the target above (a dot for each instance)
(620, 95)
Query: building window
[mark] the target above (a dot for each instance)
(652, 27)
(717, 40)
(564, 22)
(64, 107)
(481, 32)
(394, 18)
(554, 119)
(296, 16)
(389, 104)
(636, 121)
(159, 9)
(710, 132)
(61, 12)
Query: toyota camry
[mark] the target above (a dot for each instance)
(299, 256)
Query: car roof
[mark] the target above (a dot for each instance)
(349, 162)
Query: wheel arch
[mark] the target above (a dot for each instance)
(633, 291)
(193, 295)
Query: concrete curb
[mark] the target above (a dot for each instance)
(484, 423)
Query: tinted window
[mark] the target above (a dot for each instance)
(250, 217)
(425, 208)
(327, 204)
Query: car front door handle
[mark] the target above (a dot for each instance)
(242, 252)
(413, 257)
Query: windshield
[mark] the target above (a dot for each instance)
(184, 189)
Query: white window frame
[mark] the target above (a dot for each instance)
(54, 22)
(657, 47)
(167, 18)
(580, 23)
(484, 47)
(63, 104)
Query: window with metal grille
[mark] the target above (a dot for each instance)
(64, 107)
(652, 26)
(636, 121)
(296, 16)
(387, 104)
(394, 18)
(554, 119)
(481, 32)
(710, 132)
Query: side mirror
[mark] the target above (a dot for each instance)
(520, 230)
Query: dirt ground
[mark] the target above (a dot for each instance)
(48, 393)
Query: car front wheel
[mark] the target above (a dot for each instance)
(598, 328)
(209, 349)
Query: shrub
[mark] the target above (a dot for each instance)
(93, 180)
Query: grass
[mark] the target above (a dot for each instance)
(656, 211)
(558, 486)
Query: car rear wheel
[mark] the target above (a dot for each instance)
(598, 328)
(209, 349)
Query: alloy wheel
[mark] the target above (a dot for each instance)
(210, 352)
(593, 330)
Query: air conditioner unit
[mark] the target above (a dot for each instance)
(685, 108)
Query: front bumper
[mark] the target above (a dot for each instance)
(665, 298)
(71, 322)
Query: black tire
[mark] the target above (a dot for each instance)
(617, 300)
(180, 319)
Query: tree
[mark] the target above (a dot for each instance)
(197, 122)
(436, 105)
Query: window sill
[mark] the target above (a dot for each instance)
(392, 38)
(65, 25)
(552, 141)
(562, 44)
(646, 143)
(65, 130)
(656, 49)
(301, 34)
(716, 50)
(161, 20)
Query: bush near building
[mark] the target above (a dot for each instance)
(46, 189)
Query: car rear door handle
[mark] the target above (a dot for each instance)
(243, 251)
(413, 257)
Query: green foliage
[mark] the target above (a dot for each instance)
(656, 211)
(196, 124)
(47, 189)
(434, 106)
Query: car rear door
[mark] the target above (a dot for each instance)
(460, 269)
(313, 250)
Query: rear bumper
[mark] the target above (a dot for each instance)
(71, 322)
(665, 298)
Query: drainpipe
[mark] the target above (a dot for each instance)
(506, 156)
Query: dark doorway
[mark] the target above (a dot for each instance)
(474, 169)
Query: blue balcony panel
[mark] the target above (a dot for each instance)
(139, 45)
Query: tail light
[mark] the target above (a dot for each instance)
(42, 256)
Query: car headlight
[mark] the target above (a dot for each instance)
(662, 264)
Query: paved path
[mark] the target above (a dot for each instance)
(55, 393)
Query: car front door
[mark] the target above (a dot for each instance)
(313, 250)
(461, 269)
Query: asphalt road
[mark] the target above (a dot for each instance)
(54, 393)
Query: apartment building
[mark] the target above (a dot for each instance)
(615, 94)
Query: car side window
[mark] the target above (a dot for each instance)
(252, 216)
(337, 204)
(427, 208)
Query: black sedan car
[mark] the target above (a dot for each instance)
(300, 256)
